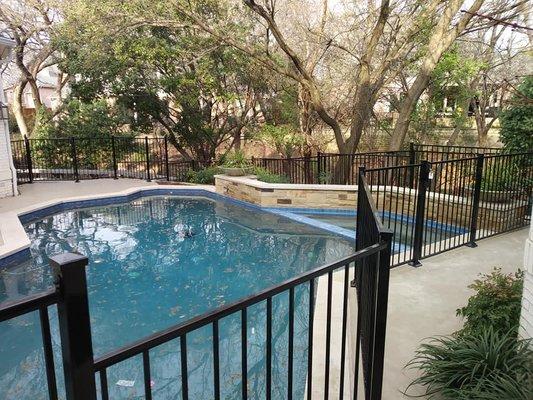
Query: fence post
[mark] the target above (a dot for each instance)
(412, 160)
(74, 159)
(28, 158)
(380, 326)
(307, 168)
(115, 167)
(74, 325)
(475, 201)
(418, 239)
(318, 166)
(147, 152)
(167, 172)
(360, 174)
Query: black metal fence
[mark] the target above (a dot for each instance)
(148, 158)
(330, 168)
(433, 152)
(436, 206)
(296, 170)
(90, 158)
(361, 321)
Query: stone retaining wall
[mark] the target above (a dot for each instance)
(442, 208)
(287, 195)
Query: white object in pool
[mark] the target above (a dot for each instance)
(125, 383)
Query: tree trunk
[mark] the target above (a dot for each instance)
(237, 140)
(458, 128)
(439, 42)
(406, 109)
(18, 109)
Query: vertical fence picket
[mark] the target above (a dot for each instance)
(74, 159)
(114, 151)
(147, 156)
(28, 158)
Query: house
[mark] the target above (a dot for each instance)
(47, 82)
(8, 178)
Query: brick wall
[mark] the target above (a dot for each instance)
(526, 320)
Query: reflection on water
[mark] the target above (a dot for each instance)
(158, 261)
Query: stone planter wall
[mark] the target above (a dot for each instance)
(287, 195)
(443, 208)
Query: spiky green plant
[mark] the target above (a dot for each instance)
(485, 366)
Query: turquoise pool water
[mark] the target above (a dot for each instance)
(402, 226)
(144, 275)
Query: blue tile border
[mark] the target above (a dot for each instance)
(77, 204)
(292, 213)
(15, 258)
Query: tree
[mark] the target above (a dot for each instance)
(517, 119)
(386, 42)
(184, 84)
(441, 38)
(29, 23)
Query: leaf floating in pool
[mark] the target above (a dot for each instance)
(174, 310)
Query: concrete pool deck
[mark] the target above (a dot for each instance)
(422, 301)
(45, 192)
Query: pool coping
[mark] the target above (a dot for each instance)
(16, 243)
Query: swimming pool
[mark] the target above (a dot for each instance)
(157, 261)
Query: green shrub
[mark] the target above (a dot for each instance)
(502, 178)
(204, 176)
(265, 176)
(495, 305)
(325, 177)
(488, 366)
(236, 159)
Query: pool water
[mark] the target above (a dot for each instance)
(402, 227)
(146, 273)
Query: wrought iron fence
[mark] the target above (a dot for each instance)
(148, 158)
(431, 152)
(359, 315)
(38, 302)
(296, 170)
(433, 207)
(91, 158)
